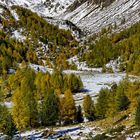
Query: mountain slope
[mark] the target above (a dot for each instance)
(88, 15)
(47, 10)
(42, 7)
(25, 36)
(93, 17)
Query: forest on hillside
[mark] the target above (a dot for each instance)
(37, 36)
(124, 45)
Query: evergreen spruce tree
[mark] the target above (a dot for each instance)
(72, 82)
(38, 83)
(19, 112)
(111, 111)
(79, 115)
(89, 109)
(122, 100)
(102, 103)
(75, 83)
(50, 110)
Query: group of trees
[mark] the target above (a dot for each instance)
(108, 103)
(112, 101)
(42, 30)
(42, 99)
(125, 45)
(101, 52)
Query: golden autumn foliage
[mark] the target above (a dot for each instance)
(68, 109)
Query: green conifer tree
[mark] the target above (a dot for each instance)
(102, 103)
(122, 100)
(79, 115)
(50, 110)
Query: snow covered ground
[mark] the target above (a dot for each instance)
(92, 78)
(14, 14)
(94, 82)
(114, 64)
(75, 132)
(82, 66)
(8, 104)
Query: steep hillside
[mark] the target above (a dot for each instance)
(121, 48)
(24, 36)
(43, 7)
(92, 17)
(88, 15)
(47, 10)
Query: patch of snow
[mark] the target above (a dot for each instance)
(94, 82)
(80, 131)
(133, 136)
(114, 64)
(2, 137)
(11, 70)
(32, 133)
(14, 14)
(40, 51)
(18, 35)
(128, 138)
(8, 104)
(82, 66)
(72, 71)
(41, 68)
(1, 10)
